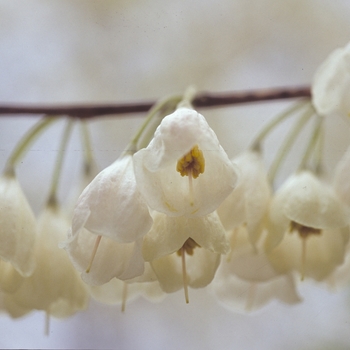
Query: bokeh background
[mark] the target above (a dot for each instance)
(63, 51)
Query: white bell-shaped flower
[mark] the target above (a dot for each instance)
(54, 280)
(184, 171)
(17, 226)
(10, 278)
(246, 281)
(10, 307)
(306, 227)
(111, 205)
(249, 201)
(331, 84)
(111, 259)
(171, 240)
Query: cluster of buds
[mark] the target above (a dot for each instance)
(179, 214)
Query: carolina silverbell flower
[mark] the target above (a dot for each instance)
(112, 208)
(249, 201)
(201, 239)
(246, 281)
(184, 171)
(17, 226)
(307, 227)
(54, 281)
(331, 84)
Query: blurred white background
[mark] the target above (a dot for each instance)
(109, 51)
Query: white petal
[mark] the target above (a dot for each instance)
(331, 85)
(112, 259)
(248, 203)
(112, 206)
(17, 227)
(168, 234)
(341, 178)
(163, 187)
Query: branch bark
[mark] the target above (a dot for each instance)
(205, 99)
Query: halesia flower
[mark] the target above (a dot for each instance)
(109, 221)
(249, 201)
(117, 292)
(111, 259)
(111, 205)
(184, 171)
(246, 281)
(54, 280)
(10, 278)
(17, 226)
(185, 251)
(331, 85)
(307, 227)
(9, 306)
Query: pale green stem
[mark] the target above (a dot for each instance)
(312, 143)
(86, 141)
(319, 152)
(25, 142)
(189, 95)
(52, 199)
(132, 147)
(288, 143)
(255, 146)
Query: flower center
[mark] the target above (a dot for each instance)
(191, 164)
(188, 247)
(304, 231)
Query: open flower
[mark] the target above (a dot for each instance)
(248, 203)
(109, 221)
(201, 239)
(331, 85)
(54, 281)
(17, 226)
(184, 170)
(246, 281)
(307, 224)
(111, 205)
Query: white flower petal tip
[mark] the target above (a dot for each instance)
(111, 205)
(249, 201)
(18, 228)
(331, 84)
(184, 171)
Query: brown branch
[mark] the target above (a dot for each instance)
(202, 100)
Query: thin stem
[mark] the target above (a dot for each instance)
(204, 99)
(132, 147)
(275, 122)
(288, 143)
(86, 141)
(94, 251)
(24, 143)
(312, 143)
(59, 162)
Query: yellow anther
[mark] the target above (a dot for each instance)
(191, 164)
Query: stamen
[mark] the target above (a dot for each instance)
(250, 297)
(97, 242)
(47, 324)
(190, 188)
(303, 258)
(124, 296)
(184, 274)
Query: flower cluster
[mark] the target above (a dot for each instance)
(179, 214)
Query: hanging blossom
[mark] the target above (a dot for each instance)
(55, 286)
(17, 227)
(202, 239)
(184, 175)
(184, 171)
(307, 227)
(331, 84)
(249, 201)
(112, 216)
(246, 281)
